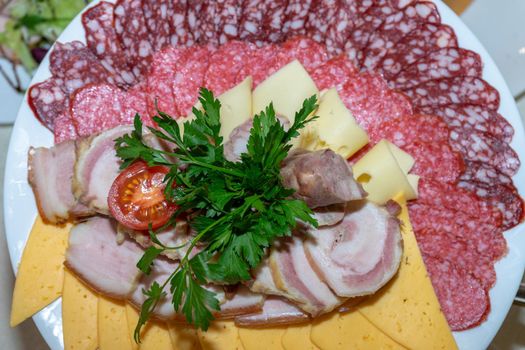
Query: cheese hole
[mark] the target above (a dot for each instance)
(364, 178)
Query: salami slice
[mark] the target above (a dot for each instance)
(158, 15)
(48, 101)
(443, 63)
(102, 40)
(333, 72)
(179, 25)
(296, 15)
(473, 117)
(262, 21)
(426, 38)
(207, 21)
(370, 100)
(262, 63)
(484, 173)
(504, 197)
(476, 146)
(64, 128)
(230, 17)
(435, 160)
(341, 26)
(321, 15)
(458, 90)
(77, 66)
(225, 64)
(394, 28)
(135, 101)
(310, 53)
(132, 31)
(273, 20)
(464, 301)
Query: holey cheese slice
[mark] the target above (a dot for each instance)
(236, 107)
(41, 272)
(335, 128)
(287, 89)
(383, 172)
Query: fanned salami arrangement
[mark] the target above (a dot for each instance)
(396, 68)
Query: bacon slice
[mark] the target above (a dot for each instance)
(243, 302)
(360, 254)
(96, 257)
(275, 311)
(330, 215)
(50, 176)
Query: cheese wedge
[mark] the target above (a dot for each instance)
(298, 338)
(335, 128)
(154, 336)
(262, 339)
(79, 314)
(40, 274)
(287, 89)
(183, 336)
(220, 335)
(407, 309)
(112, 325)
(236, 107)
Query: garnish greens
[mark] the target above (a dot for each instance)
(238, 208)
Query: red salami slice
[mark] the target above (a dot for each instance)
(64, 128)
(208, 19)
(262, 63)
(464, 301)
(424, 39)
(273, 20)
(443, 63)
(102, 40)
(296, 15)
(458, 90)
(179, 25)
(321, 14)
(476, 146)
(484, 173)
(191, 69)
(435, 160)
(394, 28)
(371, 102)
(262, 21)
(333, 72)
(502, 196)
(77, 66)
(310, 53)
(473, 117)
(158, 15)
(133, 34)
(48, 101)
(230, 16)
(135, 101)
(341, 26)
(225, 63)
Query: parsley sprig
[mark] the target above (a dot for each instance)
(239, 208)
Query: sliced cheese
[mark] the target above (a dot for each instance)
(262, 339)
(79, 314)
(407, 309)
(40, 274)
(183, 336)
(132, 317)
(236, 107)
(381, 175)
(220, 335)
(154, 336)
(112, 325)
(287, 89)
(350, 331)
(335, 128)
(405, 160)
(298, 338)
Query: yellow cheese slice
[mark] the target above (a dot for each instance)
(287, 89)
(298, 338)
(79, 314)
(335, 128)
(154, 336)
(407, 309)
(262, 339)
(236, 107)
(40, 274)
(112, 325)
(381, 175)
(132, 317)
(220, 335)
(183, 336)
(350, 331)
(405, 160)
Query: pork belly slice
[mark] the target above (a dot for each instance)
(330, 215)
(102, 263)
(50, 174)
(243, 302)
(360, 254)
(298, 282)
(320, 178)
(275, 311)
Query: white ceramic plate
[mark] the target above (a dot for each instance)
(20, 209)
(11, 99)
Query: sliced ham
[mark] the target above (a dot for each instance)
(294, 276)
(275, 311)
(360, 254)
(50, 174)
(306, 173)
(96, 257)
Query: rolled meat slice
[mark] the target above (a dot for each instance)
(360, 254)
(243, 302)
(306, 173)
(330, 215)
(96, 258)
(275, 311)
(50, 174)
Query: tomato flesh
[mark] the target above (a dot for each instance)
(136, 198)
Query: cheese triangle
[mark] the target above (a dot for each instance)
(112, 325)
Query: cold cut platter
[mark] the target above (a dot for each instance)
(401, 89)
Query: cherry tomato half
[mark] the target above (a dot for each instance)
(136, 197)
